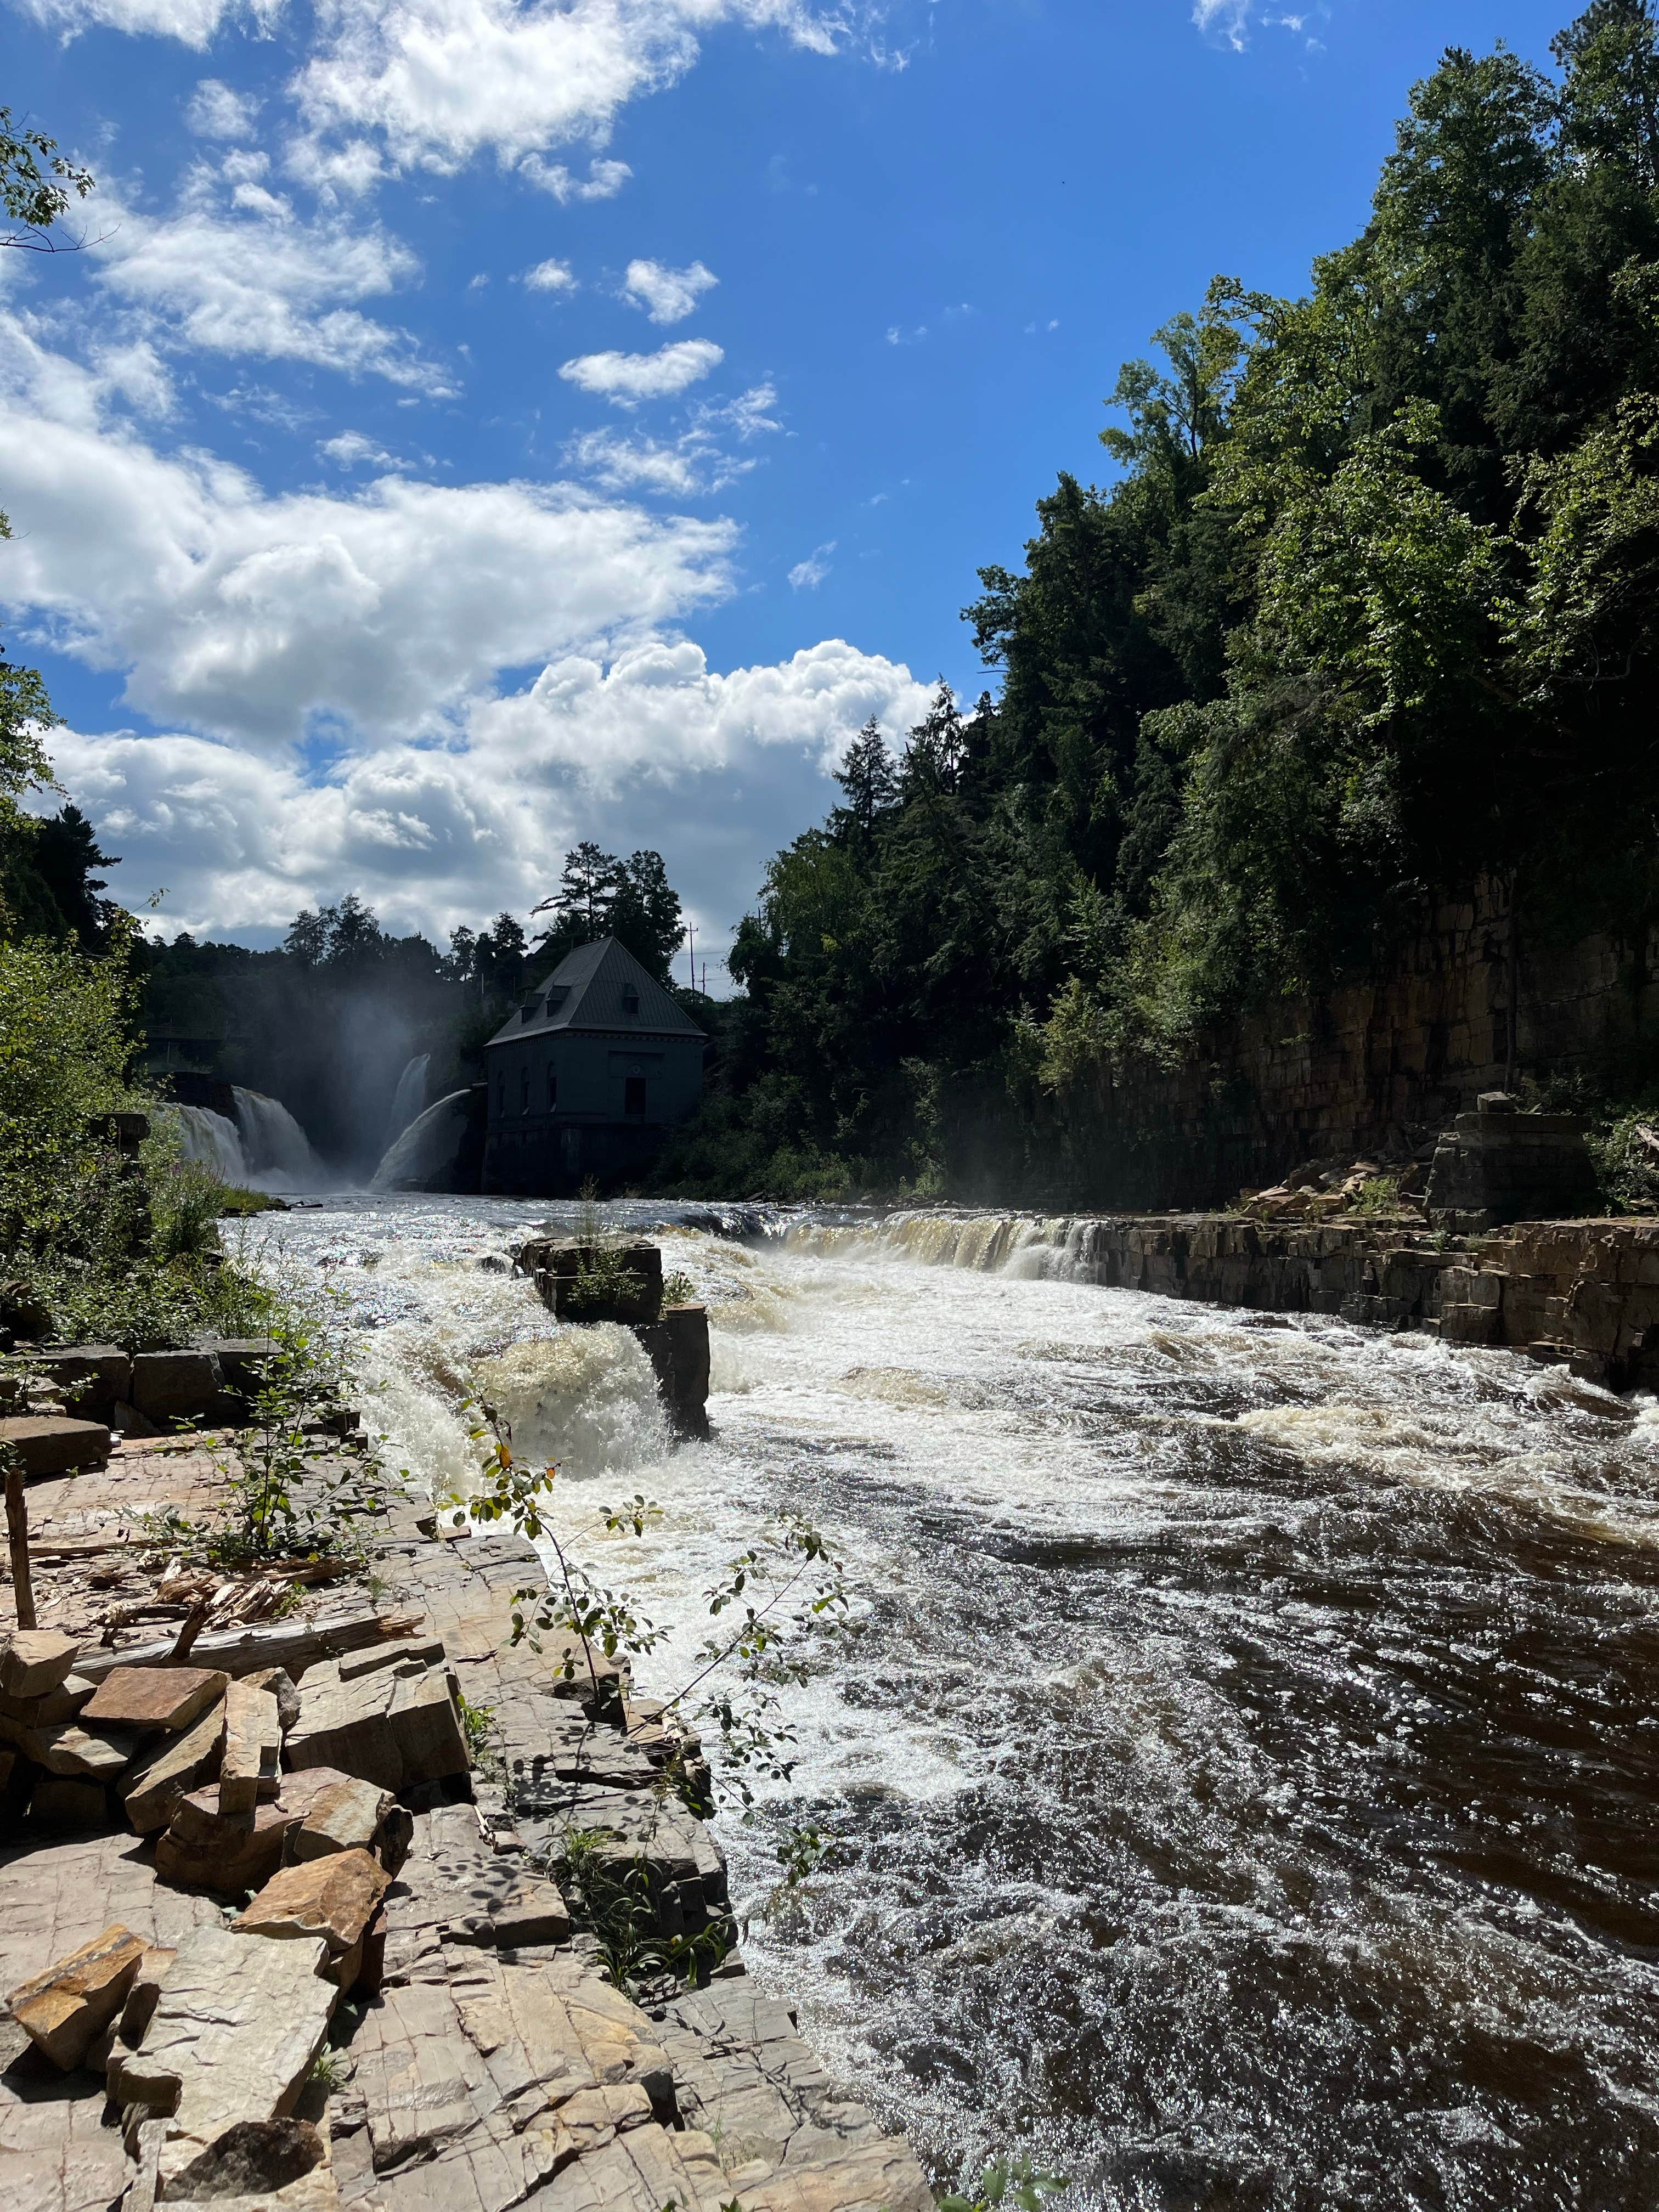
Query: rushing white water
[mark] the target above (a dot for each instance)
(1245, 1761)
(425, 1151)
(276, 1150)
(408, 1101)
(211, 1140)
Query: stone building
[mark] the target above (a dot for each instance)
(587, 1076)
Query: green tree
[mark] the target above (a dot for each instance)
(37, 187)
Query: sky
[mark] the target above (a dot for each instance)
(470, 426)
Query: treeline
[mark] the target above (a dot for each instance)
(1368, 613)
(328, 1021)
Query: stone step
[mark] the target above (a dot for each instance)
(53, 1443)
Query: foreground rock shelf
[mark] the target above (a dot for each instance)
(1585, 1293)
(270, 1940)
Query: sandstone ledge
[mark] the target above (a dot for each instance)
(1585, 1293)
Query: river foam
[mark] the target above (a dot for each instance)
(1245, 1758)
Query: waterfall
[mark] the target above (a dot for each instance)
(408, 1102)
(423, 1157)
(212, 1141)
(275, 1151)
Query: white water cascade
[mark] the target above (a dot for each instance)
(212, 1141)
(409, 1101)
(1243, 1768)
(276, 1148)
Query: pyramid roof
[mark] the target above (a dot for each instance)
(590, 989)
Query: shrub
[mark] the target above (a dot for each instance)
(1626, 1157)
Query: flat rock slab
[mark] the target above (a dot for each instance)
(477, 2075)
(394, 1725)
(63, 2010)
(36, 1661)
(335, 1898)
(238, 2020)
(51, 1444)
(100, 1755)
(642, 2171)
(153, 1697)
(454, 1888)
(251, 1766)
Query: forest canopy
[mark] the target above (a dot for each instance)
(1367, 612)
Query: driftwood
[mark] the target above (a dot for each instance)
(17, 1529)
(286, 1644)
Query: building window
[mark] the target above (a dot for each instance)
(524, 1090)
(552, 1086)
(630, 999)
(634, 1097)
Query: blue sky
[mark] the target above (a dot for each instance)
(474, 425)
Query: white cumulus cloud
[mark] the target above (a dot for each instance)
(247, 614)
(235, 270)
(1227, 20)
(806, 575)
(193, 22)
(216, 111)
(667, 295)
(551, 275)
(625, 379)
(441, 82)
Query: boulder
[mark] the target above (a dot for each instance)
(174, 1385)
(334, 1897)
(395, 1726)
(250, 1766)
(227, 1854)
(36, 1661)
(255, 2158)
(63, 2010)
(183, 1763)
(281, 1686)
(93, 1378)
(52, 1443)
(51, 1707)
(153, 1697)
(346, 1817)
(235, 2029)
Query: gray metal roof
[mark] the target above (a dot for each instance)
(589, 990)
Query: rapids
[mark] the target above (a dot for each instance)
(1245, 1768)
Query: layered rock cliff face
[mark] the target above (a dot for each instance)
(1582, 1293)
(1372, 1067)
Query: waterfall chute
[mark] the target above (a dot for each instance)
(426, 1154)
(275, 1151)
(409, 1102)
(212, 1141)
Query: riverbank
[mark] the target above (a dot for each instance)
(476, 2055)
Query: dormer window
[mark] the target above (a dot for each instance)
(527, 1011)
(630, 999)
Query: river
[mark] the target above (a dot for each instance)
(1245, 1769)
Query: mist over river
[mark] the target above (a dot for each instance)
(1246, 1769)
